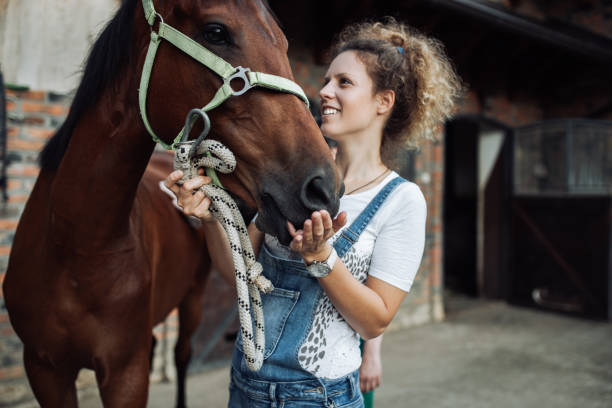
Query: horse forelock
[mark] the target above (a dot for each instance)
(109, 54)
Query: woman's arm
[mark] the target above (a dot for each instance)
(194, 202)
(367, 308)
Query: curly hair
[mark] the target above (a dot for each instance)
(415, 67)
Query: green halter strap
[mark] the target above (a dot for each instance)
(205, 57)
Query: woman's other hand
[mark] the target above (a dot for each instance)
(190, 199)
(311, 241)
(370, 372)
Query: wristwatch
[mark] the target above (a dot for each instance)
(320, 269)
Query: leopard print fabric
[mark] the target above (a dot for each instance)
(314, 349)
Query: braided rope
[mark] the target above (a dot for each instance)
(248, 272)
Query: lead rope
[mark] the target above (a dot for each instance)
(212, 154)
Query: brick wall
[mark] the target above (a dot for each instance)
(592, 15)
(32, 118)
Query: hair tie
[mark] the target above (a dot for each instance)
(400, 49)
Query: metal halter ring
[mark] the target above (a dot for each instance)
(192, 116)
(161, 22)
(241, 73)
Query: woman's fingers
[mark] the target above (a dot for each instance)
(196, 182)
(189, 195)
(307, 235)
(317, 226)
(171, 180)
(291, 228)
(203, 209)
(328, 225)
(189, 188)
(363, 385)
(339, 221)
(368, 384)
(297, 243)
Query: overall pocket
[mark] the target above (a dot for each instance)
(277, 305)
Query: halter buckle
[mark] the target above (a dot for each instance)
(241, 73)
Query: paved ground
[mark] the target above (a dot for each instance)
(484, 355)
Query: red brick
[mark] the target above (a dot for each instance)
(438, 154)
(10, 373)
(7, 331)
(52, 109)
(5, 250)
(8, 224)
(11, 106)
(13, 184)
(33, 95)
(38, 133)
(19, 144)
(23, 170)
(33, 120)
(12, 132)
(18, 198)
(435, 278)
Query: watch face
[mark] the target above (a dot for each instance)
(318, 269)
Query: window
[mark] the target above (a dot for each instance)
(570, 157)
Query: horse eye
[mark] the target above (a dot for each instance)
(217, 34)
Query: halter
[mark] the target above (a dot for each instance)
(207, 58)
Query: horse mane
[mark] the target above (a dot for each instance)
(109, 54)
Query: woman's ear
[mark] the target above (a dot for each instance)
(385, 101)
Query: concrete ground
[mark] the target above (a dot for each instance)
(485, 354)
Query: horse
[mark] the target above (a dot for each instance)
(100, 255)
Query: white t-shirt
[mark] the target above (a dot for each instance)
(389, 249)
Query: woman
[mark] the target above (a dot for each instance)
(343, 278)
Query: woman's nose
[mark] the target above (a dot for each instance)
(326, 92)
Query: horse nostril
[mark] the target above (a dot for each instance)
(317, 193)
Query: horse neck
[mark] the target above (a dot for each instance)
(94, 188)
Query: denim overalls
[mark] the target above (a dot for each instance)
(288, 314)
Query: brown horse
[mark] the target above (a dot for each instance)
(100, 255)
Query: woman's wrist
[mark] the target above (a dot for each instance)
(319, 256)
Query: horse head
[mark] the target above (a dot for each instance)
(284, 167)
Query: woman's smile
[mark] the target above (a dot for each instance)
(330, 111)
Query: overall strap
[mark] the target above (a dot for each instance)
(351, 234)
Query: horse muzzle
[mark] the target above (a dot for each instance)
(282, 200)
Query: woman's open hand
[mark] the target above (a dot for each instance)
(190, 199)
(311, 241)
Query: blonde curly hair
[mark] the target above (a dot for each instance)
(415, 67)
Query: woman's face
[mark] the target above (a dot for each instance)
(348, 104)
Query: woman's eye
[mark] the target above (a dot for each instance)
(345, 81)
(217, 34)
